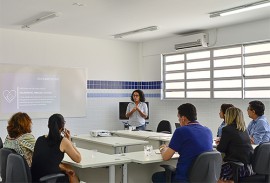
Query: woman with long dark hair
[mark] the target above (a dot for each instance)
(50, 149)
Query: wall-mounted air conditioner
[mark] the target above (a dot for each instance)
(194, 40)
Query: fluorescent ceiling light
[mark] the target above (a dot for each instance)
(239, 9)
(40, 19)
(151, 28)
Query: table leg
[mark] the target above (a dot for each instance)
(124, 173)
(111, 174)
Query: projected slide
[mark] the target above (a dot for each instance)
(30, 92)
(41, 91)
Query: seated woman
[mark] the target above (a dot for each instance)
(222, 112)
(49, 152)
(235, 144)
(19, 136)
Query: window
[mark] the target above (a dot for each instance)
(239, 71)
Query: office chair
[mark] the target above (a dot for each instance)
(18, 171)
(206, 168)
(164, 126)
(4, 152)
(1, 143)
(260, 165)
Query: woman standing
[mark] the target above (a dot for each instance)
(137, 110)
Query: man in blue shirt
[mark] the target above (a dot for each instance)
(190, 140)
(258, 128)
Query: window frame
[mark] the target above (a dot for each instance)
(242, 77)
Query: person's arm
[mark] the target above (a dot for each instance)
(69, 148)
(144, 112)
(129, 112)
(259, 133)
(224, 140)
(166, 152)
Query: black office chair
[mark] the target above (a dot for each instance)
(18, 171)
(205, 169)
(4, 152)
(260, 165)
(1, 143)
(164, 126)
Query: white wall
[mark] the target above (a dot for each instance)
(207, 109)
(123, 61)
(104, 60)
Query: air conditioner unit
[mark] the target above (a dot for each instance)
(195, 40)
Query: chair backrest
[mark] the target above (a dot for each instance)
(164, 126)
(4, 152)
(206, 168)
(1, 143)
(261, 159)
(17, 169)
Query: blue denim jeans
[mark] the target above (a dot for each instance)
(140, 127)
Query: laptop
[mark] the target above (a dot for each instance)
(177, 125)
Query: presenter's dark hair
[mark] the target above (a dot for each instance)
(56, 124)
(257, 106)
(188, 110)
(140, 92)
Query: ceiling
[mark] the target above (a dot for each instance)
(104, 18)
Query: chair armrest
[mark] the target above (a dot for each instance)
(51, 177)
(235, 166)
(169, 170)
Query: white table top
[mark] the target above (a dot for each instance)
(110, 141)
(91, 159)
(144, 135)
(140, 157)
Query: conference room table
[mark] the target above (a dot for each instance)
(109, 145)
(142, 166)
(154, 138)
(93, 160)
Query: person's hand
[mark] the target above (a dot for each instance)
(217, 140)
(67, 134)
(67, 169)
(137, 108)
(70, 172)
(162, 148)
(252, 140)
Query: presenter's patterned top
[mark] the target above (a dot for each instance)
(24, 145)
